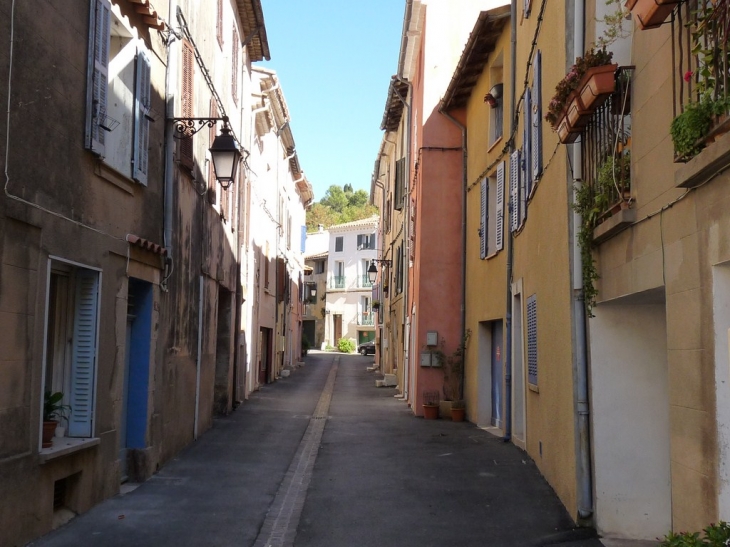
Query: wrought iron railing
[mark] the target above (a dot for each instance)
(606, 143)
(337, 282)
(366, 319)
(364, 281)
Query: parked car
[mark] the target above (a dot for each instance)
(367, 348)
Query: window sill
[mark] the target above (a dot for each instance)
(494, 144)
(705, 165)
(63, 446)
(113, 176)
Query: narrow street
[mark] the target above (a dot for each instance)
(324, 458)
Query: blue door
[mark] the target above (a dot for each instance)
(497, 373)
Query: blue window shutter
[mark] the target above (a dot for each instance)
(527, 143)
(523, 192)
(536, 140)
(83, 358)
(514, 188)
(499, 209)
(304, 238)
(142, 103)
(483, 220)
(532, 340)
(97, 74)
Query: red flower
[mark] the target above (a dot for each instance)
(688, 76)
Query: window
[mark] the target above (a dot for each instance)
(71, 342)
(266, 267)
(496, 114)
(400, 184)
(399, 270)
(118, 67)
(365, 241)
(532, 340)
(492, 214)
(338, 244)
(517, 190)
(319, 267)
(536, 121)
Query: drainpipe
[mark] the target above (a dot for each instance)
(510, 237)
(198, 361)
(167, 213)
(464, 185)
(582, 426)
(407, 221)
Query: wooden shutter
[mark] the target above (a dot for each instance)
(359, 242)
(536, 141)
(483, 219)
(97, 74)
(83, 360)
(219, 24)
(186, 98)
(400, 175)
(235, 46)
(532, 340)
(522, 191)
(142, 102)
(514, 190)
(212, 191)
(499, 209)
(527, 144)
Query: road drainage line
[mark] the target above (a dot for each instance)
(280, 525)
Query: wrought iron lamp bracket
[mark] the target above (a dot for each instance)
(185, 128)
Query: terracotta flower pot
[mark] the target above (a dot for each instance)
(566, 134)
(457, 414)
(431, 412)
(577, 115)
(650, 13)
(49, 428)
(597, 85)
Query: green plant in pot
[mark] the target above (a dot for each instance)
(306, 345)
(53, 411)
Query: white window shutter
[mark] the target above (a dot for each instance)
(536, 141)
(142, 102)
(523, 191)
(98, 71)
(499, 233)
(83, 361)
(514, 187)
(532, 340)
(483, 216)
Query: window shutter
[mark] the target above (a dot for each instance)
(499, 233)
(212, 190)
(235, 46)
(219, 24)
(186, 99)
(536, 140)
(527, 144)
(304, 238)
(98, 74)
(527, 7)
(359, 242)
(514, 189)
(142, 100)
(532, 340)
(483, 220)
(83, 361)
(399, 183)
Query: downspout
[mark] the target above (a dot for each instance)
(198, 361)
(168, 200)
(407, 220)
(582, 426)
(510, 238)
(464, 185)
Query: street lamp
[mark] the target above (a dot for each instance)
(373, 270)
(224, 152)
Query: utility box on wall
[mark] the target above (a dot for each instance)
(432, 338)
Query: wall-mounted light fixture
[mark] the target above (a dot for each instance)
(493, 97)
(373, 269)
(224, 151)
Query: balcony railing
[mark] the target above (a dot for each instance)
(337, 282)
(364, 281)
(701, 70)
(366, 319)
(606, 153)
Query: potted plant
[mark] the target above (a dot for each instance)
(306, 345)
(651, 13)
(458, 411)
(53, 411)
(591, 78)
(453, 365)
(431, 405)
(376, 305)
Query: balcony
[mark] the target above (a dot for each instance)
(604, 199)
(337, 282)
(363, 282)
(701, 82)
(366, 319)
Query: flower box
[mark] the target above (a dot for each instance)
(578, 116)
(597, 85)
(566, 133)
(651, 13)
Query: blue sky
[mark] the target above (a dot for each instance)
(334, 59)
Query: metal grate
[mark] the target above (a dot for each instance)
(532, 339)
(59, 494)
